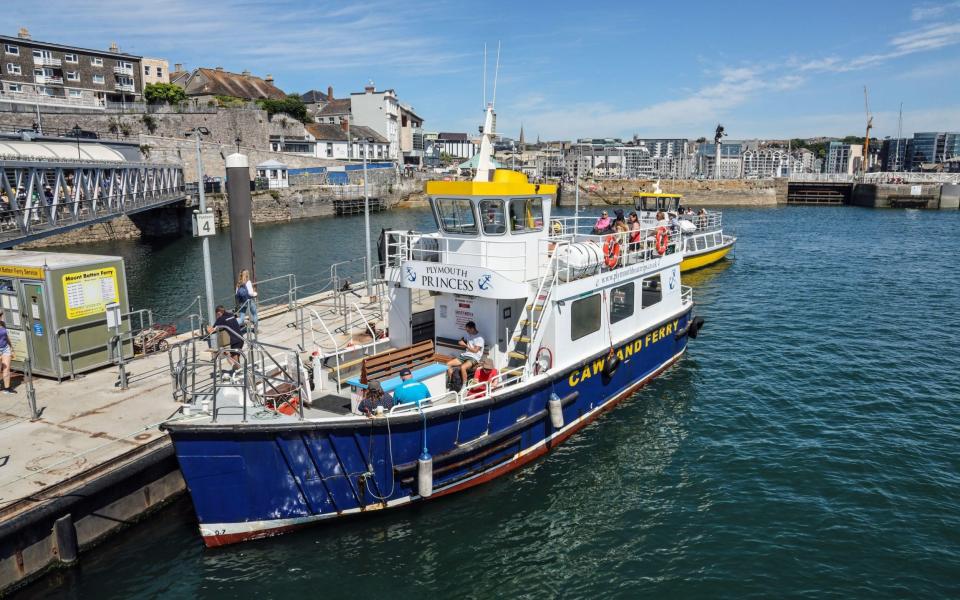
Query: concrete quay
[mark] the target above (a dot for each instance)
(95, 460)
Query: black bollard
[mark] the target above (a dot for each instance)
(240, 209)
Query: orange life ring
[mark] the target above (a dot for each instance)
(663, 238)
(611, 251)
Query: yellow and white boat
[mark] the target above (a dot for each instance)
(704, 241)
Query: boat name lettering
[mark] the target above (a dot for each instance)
(624, 352)
(451, 278)
(626, 273)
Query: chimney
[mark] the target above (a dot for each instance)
(245, 73)
(369, 89)
(329, 92)
(177, 67)
(344, 123)
(24, 33)
(218, 69)
(114, 47)
(268, 78)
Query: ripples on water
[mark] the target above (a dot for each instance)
(805, 446)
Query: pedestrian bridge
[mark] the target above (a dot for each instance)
(43, 193)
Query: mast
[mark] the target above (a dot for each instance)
(485, 163)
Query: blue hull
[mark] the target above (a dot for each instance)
(254, 480)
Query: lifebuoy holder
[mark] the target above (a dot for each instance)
(611, 251)
(663, 239)
(544, 360)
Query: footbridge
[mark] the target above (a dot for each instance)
(50, 188)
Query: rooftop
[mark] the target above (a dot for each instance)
(216, 82)
(339, 106)
(7, 39)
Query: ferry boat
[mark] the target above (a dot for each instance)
(574, 323)
(705, 242)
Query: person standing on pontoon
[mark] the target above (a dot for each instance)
(246, 298)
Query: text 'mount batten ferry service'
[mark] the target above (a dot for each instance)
(551, 324)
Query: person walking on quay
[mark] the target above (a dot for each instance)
(6, 357)
(246, 298)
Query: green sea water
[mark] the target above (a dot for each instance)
(806, 446)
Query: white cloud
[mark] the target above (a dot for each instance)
(932, 11)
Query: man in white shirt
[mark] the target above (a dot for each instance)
(472, 345)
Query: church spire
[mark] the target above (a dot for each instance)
(523, 143)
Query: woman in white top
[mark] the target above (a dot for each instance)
(246, 297)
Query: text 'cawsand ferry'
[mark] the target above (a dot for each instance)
(573, 322)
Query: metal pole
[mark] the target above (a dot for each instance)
(366, 217)
(207, 272)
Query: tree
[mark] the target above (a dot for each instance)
(164, 93)
(291, 105)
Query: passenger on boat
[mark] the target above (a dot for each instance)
(484, 373)
(701, 218)
(375, 400)
(493, 224)
(410, 391)
(635, 229)
(674, 222)
(473, 344)
(603, 224)
(230, 334)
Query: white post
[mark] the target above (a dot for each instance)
(207, 273)
(366, 217)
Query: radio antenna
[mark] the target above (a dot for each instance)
(496, 72)
(484, 75)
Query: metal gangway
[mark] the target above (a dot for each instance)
(44, 197)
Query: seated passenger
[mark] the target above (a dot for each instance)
(375, 400)
(410, 391)
(635, 229)
(484, 373)
(602, 224)
(472, 345)
(492, 224)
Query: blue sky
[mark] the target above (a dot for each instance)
(568, 69)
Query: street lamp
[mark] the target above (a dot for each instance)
(76, 133)
(366, 214)
(207, 272)
(238, 140)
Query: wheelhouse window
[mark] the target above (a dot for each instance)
(651, 291)
(455, 215)
(584, 317)
(621, 302)
(492, 216)
(526, 215)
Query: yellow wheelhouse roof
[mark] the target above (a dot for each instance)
(504, 183)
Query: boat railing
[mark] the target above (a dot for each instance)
(447, 397)
(707, 222)
(507, 257)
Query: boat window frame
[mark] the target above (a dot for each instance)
(509, 214)
(579, 320)
(630, 294)
(658, 289)
(503, 213)
(440, 222)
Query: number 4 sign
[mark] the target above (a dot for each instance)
(203, 224)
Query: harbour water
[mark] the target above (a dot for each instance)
(806, 446)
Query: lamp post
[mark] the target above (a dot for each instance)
(366, 215)
(207, 271)
(238, 140)
(76, 133)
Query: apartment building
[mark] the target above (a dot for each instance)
(411, 136)
(155, 70)
(843, 158)
(44, 73)
(379, 111)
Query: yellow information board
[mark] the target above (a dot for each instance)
(88, 293)
(24, 272)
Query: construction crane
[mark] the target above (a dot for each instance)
(866, 140)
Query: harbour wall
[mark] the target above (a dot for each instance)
(724, 192)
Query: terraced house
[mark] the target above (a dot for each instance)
(43, 73)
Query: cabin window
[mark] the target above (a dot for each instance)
(492, 216)
(584, 317)
(717, 239)
(651, 291)
(701, 243)
(691, 244)
(526, 215)
(456, 215)
(621, 302)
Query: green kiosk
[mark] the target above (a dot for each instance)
(54, 306)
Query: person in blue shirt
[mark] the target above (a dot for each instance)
(410, 391)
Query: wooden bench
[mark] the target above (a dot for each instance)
(389, 363)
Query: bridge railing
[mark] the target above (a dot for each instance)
(904, 177)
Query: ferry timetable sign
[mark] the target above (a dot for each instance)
(23, 272)
(457, 279)
(88, 293)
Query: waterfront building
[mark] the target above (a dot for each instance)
(50, 74)
(766, 163)
(273, 174)
(893, 153)
(929, 150)
(379, 111)
(204, 85)
(155, 70)
(411, 136)
(843, 158)
(342, 141)
(730, 164)
(457, 145)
